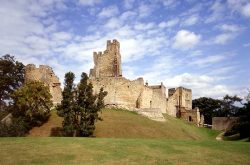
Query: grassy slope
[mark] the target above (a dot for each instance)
(121, 151)
(125, 124)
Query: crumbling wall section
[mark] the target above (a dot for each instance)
(107, 63)
(46, 75)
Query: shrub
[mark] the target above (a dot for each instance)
(18, 127)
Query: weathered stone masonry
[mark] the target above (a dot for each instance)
(46, 75)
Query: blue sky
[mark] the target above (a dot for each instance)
(199, 44)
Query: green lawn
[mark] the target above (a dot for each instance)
(56, 150)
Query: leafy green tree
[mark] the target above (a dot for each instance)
(228, 106)
(67, 107)
(12, 77)
(208, 107)
(243, 127)
(32, 102)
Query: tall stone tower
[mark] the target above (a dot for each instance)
(107, 63)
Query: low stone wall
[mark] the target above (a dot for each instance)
(7, 119)
(223, 123)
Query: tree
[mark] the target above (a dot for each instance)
(89, 106)
(12, 77)
(228, 106)
(67, 107)
(32, 102)
(208, 107)
(80, 107)
(243, 127)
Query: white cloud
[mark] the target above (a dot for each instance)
(218, 10)
(170, 3)
(113, 22)
(110, 11)
(246, 10)
(169, 23)
(89, 2)
(128, 4)
(145, 10)
(196, 53)
(128, 15)
(201, 85)
(230, 27)
(241, 6)
(185, 39)
(223, 38)
(208, 60)
(193, 19)
(143, 26)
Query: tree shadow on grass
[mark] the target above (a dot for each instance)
(56, 132)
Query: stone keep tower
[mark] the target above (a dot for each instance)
(107, 63)
(46, 75)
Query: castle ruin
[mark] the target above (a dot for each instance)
(46, 75)
(136, 95)
(147, 100)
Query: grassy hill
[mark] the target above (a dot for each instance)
(126, 124)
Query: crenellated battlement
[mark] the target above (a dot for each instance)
(113, 46)
(108, 62)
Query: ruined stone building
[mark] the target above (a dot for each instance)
(46, 75)
(148, 100)
(136, 95)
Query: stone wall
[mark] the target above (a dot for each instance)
(179, 98)
(223, 123)
(46, 75)
(192, 116)
(130, 94)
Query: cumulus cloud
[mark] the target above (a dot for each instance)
(143, 26)
(109, 11)
(218, 10)
(113, 23)
(169, 24)
(145, 9)
(128, 4)
(223, 38)
(230, 27)
(170, 3)
(89, 2)
(185, 39)
(246, 10)
(208, 60)
(193, 19)
(201, 85)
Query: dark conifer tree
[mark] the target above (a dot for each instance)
(80, 107)
(89, 106)
(66, 109)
